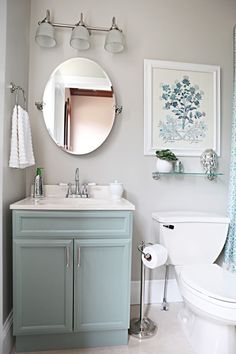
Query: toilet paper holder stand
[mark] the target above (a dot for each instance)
(164, 305)
(142, 327)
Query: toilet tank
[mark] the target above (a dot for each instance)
(191, 237)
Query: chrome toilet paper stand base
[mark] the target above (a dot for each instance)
(142, 327)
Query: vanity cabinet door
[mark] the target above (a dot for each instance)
(102, 284)
(43, 286)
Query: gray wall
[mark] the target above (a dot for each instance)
(184, 30)
(13, 181)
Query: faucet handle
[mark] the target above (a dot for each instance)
(84, 193)
(69, 191)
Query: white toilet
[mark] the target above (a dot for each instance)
(194, 241)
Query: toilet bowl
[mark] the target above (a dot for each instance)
(208, 316)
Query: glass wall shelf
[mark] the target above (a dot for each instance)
(210, 176)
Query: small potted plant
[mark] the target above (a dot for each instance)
(165, 160)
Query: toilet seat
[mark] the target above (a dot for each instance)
(211, 281)
(205, 299)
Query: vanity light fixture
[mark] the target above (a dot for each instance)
(80, 36)
(114, 42)
(45, 33)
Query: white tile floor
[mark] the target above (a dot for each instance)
(168, 340)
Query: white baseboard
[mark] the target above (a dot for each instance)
(7, 336)
(154, 291)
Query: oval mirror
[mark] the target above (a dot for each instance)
(79, 106)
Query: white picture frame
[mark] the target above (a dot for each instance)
(169, 122)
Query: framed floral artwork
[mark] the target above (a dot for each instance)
(181, 107)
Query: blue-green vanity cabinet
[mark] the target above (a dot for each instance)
(101, 277)
(43, 286)
(71, 274)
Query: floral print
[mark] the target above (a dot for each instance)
(185, 119)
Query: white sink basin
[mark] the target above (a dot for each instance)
(73, 202)
(68, 201)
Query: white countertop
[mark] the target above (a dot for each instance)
(55, 203)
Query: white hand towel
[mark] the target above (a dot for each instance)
(26, 155)
(14, 155)
(21, 141)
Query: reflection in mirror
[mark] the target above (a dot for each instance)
(79, 106)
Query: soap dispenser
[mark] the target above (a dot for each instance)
(38, 183)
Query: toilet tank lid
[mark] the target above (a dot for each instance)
(189, 216)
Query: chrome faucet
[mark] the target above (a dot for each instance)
(77, 190)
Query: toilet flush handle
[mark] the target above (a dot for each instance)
(171, 227)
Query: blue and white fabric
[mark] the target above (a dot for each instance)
(230, 247)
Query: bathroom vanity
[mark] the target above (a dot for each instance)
(71, 266)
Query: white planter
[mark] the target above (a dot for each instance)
(163, 165)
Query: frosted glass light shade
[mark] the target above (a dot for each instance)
(80, 38)
(114, 42)
(45, 35)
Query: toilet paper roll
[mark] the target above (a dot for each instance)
(158, 256)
